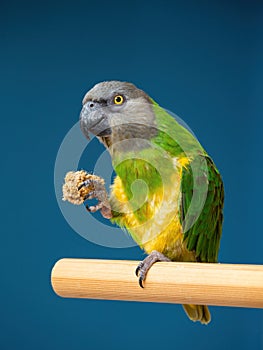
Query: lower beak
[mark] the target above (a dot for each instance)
(95, 121)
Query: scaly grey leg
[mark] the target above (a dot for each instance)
(145, 265)
(100, 193)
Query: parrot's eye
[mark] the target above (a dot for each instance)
(118, 100)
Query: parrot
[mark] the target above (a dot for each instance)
(167, 193)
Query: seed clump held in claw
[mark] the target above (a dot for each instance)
(72, 190)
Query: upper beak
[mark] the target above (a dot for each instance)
(94, 119)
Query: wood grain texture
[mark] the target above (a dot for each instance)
(167, 282)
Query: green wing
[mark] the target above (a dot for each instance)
(201, 209)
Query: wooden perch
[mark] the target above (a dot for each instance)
(167, 282)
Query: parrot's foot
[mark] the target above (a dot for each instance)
(100, 194)
(147, 263)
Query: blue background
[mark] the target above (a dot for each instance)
(202, 60)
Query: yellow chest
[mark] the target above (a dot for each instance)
(162, 229)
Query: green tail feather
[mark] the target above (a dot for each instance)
(198, 313)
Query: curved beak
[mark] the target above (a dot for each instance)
(94, 119)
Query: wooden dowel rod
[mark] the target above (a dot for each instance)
(168, 282)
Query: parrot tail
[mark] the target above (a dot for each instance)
(198, 313)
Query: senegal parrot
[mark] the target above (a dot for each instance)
(167, 193)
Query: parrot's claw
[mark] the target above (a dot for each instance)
(145, 265)
(99, 192)
(105, 210)
(138, 268)
(141, 282)
(91, 195)
(94, 208)
(88, 182)
(137, 272)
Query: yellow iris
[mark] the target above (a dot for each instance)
(118, 100)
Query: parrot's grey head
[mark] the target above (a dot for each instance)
(115, 111)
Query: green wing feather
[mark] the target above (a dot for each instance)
(201, 211)
(202, 230)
